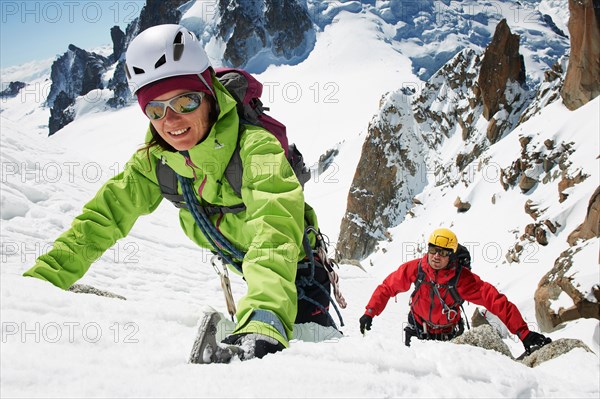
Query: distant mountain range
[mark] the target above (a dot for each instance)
(256, 34)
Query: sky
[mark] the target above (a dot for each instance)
(36, 30)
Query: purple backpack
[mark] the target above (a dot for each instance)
(246, 90)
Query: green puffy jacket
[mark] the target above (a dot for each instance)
(270, 229)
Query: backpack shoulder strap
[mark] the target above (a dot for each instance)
(234, 171)
(168, 183)
(452, 286)
(419, 280)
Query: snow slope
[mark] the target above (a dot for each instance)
(61, 344)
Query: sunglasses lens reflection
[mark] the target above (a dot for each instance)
(155, 111)
(186, 103)
(182, 104)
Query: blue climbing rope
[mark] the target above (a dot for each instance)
(219, 243)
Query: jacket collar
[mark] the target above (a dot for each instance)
(439, 276)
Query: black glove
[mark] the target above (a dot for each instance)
(534, 341)
(365, 323)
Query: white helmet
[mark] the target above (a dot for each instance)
(161, 52)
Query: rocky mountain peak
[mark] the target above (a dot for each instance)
(248, 26)
(87, 66)
(389, 174)
(501, 63)
(74, 74)
(479, 96)
(118, 39)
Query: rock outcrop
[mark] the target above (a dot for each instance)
(74, 74)
(557, 281)
(538, 164)
(118, 39)
(61, 113)
(590, 227)
(486, 337)
(501, 63)
(118, 84)
(88, 289)
(586, 300)
(12, 90)
(387, 178)
(542, 163)
(461, 206)
(582, 82)
(553, 350)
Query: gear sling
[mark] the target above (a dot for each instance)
(315, 273)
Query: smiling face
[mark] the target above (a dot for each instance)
(183, 131)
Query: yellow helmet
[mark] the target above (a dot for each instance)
(444, 238)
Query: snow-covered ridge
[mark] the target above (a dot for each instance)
(432, 32)
(26, 72)
(143, 342)
(429, 33)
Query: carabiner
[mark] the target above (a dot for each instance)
(450, 313)
(213, 262)
(225, 285)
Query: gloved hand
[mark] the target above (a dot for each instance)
(250, 345)
(365, 323)
(534, 341)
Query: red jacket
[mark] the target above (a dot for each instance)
(470, 288)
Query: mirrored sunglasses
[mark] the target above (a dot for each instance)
(441, 251)
(182, 104)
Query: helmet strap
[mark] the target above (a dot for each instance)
(211, 91)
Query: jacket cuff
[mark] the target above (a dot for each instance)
(523, 333)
